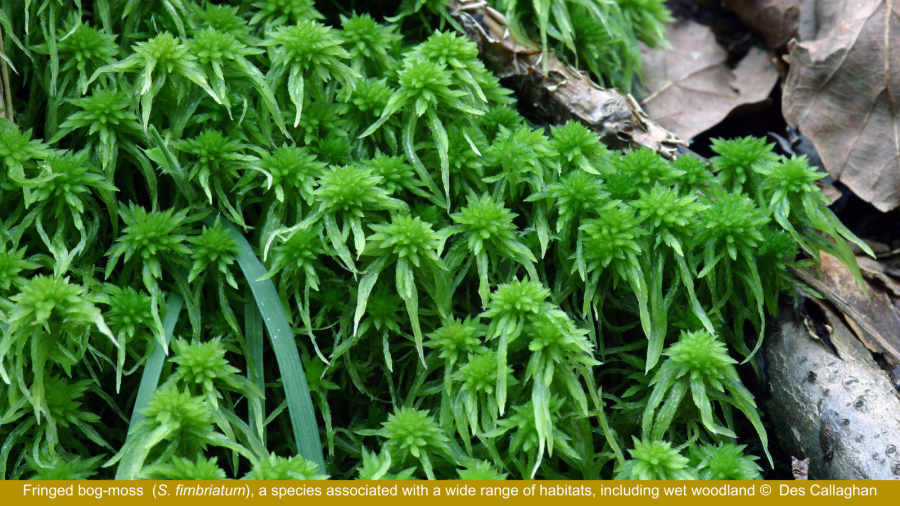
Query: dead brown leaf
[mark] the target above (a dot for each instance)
(691, 89)
(776, 20)
(868, 265)
(842, 92)
(818, 18)
(877, 247)
(861, 323)
(831, 192)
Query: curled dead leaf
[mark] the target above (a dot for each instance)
(690, 87)
(831, 192)
(776, 20)
(818, 18)
(842, 92)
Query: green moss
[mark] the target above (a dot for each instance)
(469, 295)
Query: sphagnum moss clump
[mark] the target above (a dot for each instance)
(655, 460)
(110, 121)
(353, 212)
(411, 433)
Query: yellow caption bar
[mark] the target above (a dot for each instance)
(473, 493)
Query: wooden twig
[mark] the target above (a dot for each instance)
(558, 91)
(847, 310)
(800, 468)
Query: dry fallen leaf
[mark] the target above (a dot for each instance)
(691, 89)
(818, 18)
(831, 192)
(775, 20)
(842, 92)
(877, 247)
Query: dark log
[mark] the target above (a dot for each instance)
(831, 404)
(839, 411)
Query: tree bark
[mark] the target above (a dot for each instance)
(829, 400)
(558, 91)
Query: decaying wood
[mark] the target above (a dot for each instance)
(860, 321)
(873, 304)
(800, 468)
(562, 92)
(839, 411)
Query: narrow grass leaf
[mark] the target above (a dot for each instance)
(153, 368)
(152, 371)
(296, 391)
(253, 333)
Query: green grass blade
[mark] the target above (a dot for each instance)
(154, 365)
(296, 391)
(253, 333)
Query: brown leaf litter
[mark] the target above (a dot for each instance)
(776, 20)
(843, 89)
(691, 89)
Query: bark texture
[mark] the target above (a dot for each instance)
(831, 402)
(558, 91)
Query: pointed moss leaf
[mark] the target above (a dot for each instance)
(366, 284)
